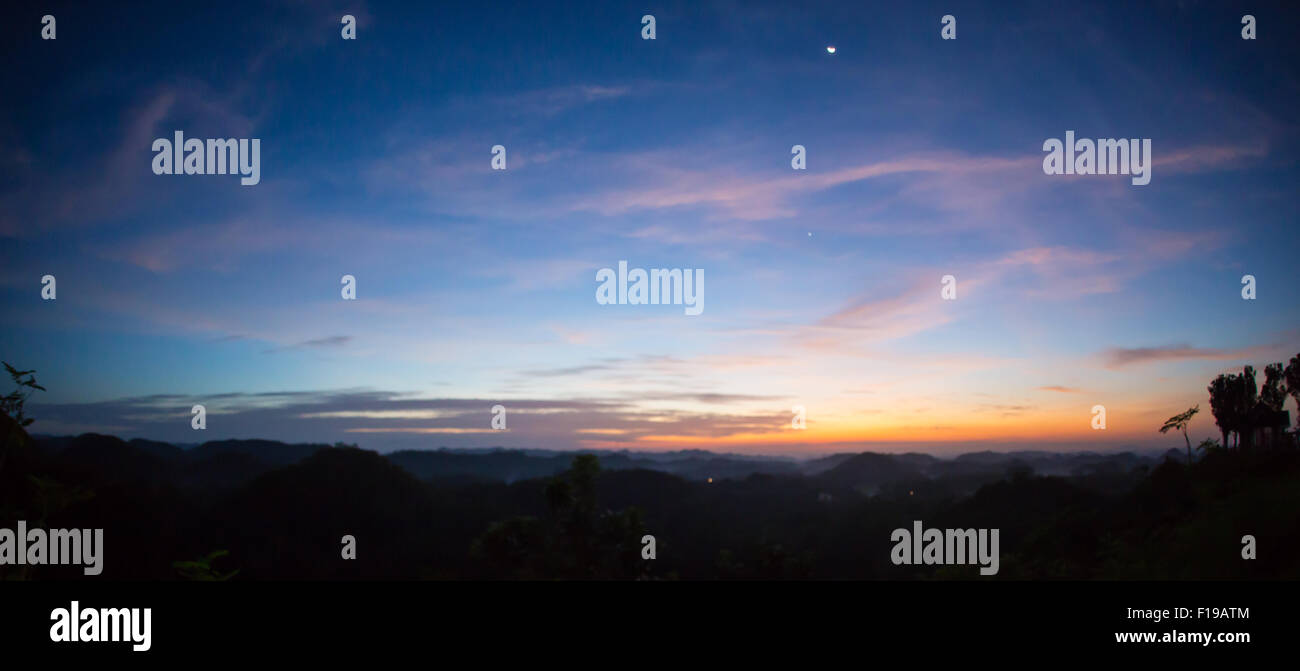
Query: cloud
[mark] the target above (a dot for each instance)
(1006, 410)
(395, 420)
(1119, 357)
(674, 372)
(1201, 158)
(916, 309)
(1057, 272)
(571, 370)
(750, 197)
(331, 341)
(315, 343)
(553, 100)
(1059, 388)
(117, 183)
(954, 182)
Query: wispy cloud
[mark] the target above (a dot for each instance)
(315, 343)
(1119, 357)
(394, 420)
(662, 184)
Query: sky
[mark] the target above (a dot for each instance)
(477, 287)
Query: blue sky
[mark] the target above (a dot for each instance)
(476, 286)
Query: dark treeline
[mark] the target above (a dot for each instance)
(261, 510)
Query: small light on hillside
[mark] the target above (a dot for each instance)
(710, 480)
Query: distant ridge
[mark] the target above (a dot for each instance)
(225, 462)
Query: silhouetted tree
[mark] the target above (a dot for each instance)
(1292, 375)
(12, 406)
(1179, 422)
(1232, 397)
(1273, 394)
(1221, 404)
(578, 540)
(12, 403)
(1244, 398)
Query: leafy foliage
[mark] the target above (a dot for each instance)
(1292, 375)
(201, 568)
(1273, 393)
(576, 540)
(1179, 422)
(12, 404)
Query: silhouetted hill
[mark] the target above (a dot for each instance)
(512, 465)
(107, 458)
(216, 465)
(272, 452)
(868, 471)
(294, 518)
(497, 465)
(227, 463)
(822, 464)
(282, 510)
(165, 451)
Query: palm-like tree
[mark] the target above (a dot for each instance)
(1180, 421)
